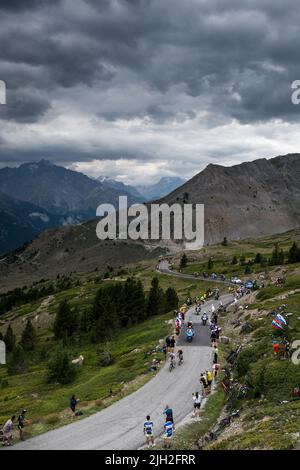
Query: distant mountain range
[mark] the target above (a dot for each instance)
(165, 186)
(243, 201)
(122, 188)
(146, 193)
(60, 196)
(58, 190)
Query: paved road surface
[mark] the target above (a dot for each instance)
(121, 425)
(164, 268)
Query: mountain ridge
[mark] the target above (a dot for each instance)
(241, 202)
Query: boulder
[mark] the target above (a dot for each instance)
(79, 361)
(224, 339)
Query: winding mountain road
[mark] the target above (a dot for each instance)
(164, 268)
(120, 426)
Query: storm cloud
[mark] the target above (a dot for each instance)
(164, 84)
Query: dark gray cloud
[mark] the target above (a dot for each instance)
(164, 62)
(21, 5)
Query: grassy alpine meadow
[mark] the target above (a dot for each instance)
(96, 386)
(264, 412)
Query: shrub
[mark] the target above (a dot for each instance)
(17, 362)
(60, 368)
(106, 359)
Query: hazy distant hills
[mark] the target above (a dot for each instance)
(147, 192)
(165, 186)
(122, 188)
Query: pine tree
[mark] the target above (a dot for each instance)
(154, 298)
(171, 299)
(277, 256)
(294, 254)
(281, 257)
(234, 260)
(17, 362)
(9, 339)
(105, 315)
(225, 241)
(248, 269)
(28, 340)
(183, 262)
(139, 305)
(134, 303)
(210, 264)
(65, 323)
(60, 368)
(258, 258)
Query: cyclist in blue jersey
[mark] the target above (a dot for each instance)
(148, 432)
(168, 433)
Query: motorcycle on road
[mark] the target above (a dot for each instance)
(190, 335)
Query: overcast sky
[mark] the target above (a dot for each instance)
(138, 89)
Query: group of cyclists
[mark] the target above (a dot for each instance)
(206, 378)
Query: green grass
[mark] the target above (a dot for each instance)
(30, 390)
(48, 404)
(265, 427)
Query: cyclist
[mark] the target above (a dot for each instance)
(172, 360)
(180, 356)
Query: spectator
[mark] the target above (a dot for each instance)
(21, 424)
(172, 344)
(73, 403)
(197, 404)
(8, 431)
